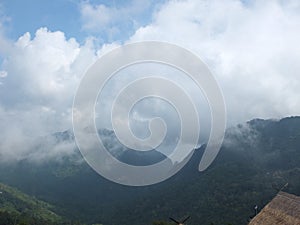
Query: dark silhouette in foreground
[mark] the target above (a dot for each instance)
(180, 222)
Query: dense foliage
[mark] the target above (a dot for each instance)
(19, 208)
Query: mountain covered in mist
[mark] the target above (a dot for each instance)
(256, 158)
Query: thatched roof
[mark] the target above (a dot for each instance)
(284, 209)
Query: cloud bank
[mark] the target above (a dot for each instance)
(252, 48)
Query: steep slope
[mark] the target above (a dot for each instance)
(25, 209)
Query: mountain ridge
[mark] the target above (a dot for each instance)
(254, 156)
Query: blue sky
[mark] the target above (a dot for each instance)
(28, 16)
(66, 16)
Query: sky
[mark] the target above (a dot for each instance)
(251, 47)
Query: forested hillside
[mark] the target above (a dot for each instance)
(19, 208)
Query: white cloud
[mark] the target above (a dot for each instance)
(252, 49)
(40, 75)
(3, 74)
(115, 21)
(45, 69)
